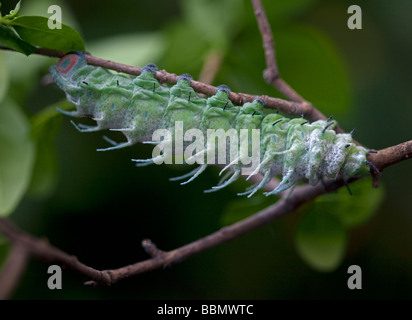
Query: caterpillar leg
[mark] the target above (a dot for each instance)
(370, 164)
(282, 186)
(248, 189)
(146, 162)
(196, 155)
(123, 129)
(116, 146)
(224, 178)
(197, 173)
(187, 175)
(261, 184)
(155, 142)
(221, 181)
(229, 165)
(265, 161)
(112, 142)
(232, 179)
(69, 113)
(84, 128)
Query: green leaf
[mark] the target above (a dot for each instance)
(321, 240)
(45, 168)
(312, 65)
(35, 30)
(215, 20)
(9, 39)
(132, 52)
(16, 156)
(352, 210)
(40, 8)
(4, 77)
(45, 126)
(192, 61)
(13, 12)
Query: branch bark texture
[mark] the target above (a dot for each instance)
(41, 249)
(288, 107)
(25, 245)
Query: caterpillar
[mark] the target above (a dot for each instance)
(291, 147)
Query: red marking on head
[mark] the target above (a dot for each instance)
(67, 62)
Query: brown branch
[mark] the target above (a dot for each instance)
(41, 249)
(391, 155)
(271, 73)
(289, 107)
(163, 76)
(13, 269)
(210, 67)
(151, 248)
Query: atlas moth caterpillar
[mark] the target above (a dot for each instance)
(291, 147)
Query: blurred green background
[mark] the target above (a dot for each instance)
(99, 207)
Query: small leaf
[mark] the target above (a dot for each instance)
(352, 210)
(16, 9)
(132, 52)
(45, 168)
(13, 12)
(321, 240)
(45, 126)
(35, 30)
(330, 89)
(215, 21)
(16, 156)
(9, 39)
(4, 77)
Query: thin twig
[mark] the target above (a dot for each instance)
(391, 155)
(288, 107)
(13, 269)
(41, 249)
(151, 249)
(210, 67)
(271, 73)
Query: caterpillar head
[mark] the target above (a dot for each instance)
(63, 70)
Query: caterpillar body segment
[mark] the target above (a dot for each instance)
(288, 147)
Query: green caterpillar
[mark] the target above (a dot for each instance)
(139, 107)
